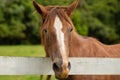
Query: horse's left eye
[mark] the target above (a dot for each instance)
(70, 29)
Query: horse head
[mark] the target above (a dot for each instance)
(56, 31)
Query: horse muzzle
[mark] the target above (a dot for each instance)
(61, 69)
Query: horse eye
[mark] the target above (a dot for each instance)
(45, 30)
(70, 29)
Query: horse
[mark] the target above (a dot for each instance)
(61, 41)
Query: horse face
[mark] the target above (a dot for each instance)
(56, 36)
(56, 39)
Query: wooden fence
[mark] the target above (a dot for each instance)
(36, 65)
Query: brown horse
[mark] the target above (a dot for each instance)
(61, 41)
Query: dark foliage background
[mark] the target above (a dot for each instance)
(96, 18)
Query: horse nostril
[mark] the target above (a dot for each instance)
(69, 65)
(55, 67)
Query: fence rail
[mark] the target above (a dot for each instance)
(80, 66)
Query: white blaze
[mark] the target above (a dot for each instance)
(60, 35)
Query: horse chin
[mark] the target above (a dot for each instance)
(61, 76)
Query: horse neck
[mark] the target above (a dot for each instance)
(76, 39)
(89, 47)
(75, 44)
(81, 46)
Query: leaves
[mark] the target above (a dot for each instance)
(97, 18)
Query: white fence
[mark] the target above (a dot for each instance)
(81, 66)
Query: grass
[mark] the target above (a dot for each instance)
(36, 51)
(22, 50)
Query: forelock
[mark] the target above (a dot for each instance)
(57, 11)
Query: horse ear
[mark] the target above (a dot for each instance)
(71, 8)
(40, 9)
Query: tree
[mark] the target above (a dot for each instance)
(97, 18)
(102, 19)
(17, 22)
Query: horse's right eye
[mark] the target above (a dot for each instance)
(44, 31)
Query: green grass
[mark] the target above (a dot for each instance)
(23, 50)
(36, 51)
